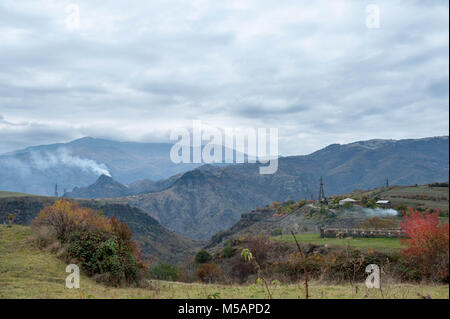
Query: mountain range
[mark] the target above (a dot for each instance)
(208, 199)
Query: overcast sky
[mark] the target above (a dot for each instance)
(132, 70)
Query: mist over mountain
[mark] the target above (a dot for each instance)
(78, 163)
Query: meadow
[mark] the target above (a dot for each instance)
(27, 272)
(4, 194)
(314, 238)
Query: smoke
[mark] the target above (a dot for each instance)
(380, 212)
(63, 157)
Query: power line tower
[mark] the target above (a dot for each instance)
(56, 190)
(322, 197)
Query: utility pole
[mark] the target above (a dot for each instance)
(387, 182)
(321, 192)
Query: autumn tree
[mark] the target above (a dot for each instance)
(427, 243)
(102, 246)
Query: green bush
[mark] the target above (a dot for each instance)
(203, 257)
(164, 271)
(101, 246)
(228, 251)
(104, 255)
(277, 232)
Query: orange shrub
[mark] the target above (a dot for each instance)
(66, 217)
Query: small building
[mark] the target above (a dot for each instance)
(384, 203)
(348, 201)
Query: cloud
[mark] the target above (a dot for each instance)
(311, 69)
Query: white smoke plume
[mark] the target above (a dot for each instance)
(380, 212)
(63, 157)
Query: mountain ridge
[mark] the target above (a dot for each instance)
(205, 201)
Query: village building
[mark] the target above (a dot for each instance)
(384, 203)
(348, 201)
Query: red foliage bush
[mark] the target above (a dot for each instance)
(210, 273)
(427, 244)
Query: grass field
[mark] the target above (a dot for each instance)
(26, 272)
(4, 194)
(314, 238)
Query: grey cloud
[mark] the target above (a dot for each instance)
(133, 71)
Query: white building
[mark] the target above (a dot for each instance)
(348, 201)
(384, 203)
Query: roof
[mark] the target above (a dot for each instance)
(384, 201)
(348, 200)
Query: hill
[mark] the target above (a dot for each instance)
(155, 241)
(12, 194)
(422, 197)
(290, 216)
(106, 186)
(27, 272)
(210, 199)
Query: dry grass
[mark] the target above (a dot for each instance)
(27, 272)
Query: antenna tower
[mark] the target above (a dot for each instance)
(321, 192)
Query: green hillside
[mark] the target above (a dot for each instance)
(26, 272)
(308, 218)
(4, 194)
(419, 197)
(155, 241)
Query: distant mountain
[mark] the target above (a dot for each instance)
(209, 199)
(155, 241)
(106, 187)
(79, 163)
(144, 186)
